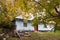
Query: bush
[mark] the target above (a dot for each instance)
(57, 27)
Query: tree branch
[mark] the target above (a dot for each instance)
(57, 10)
(50, 12)
(39, 3)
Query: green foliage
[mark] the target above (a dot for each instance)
(9, 11)
(6, 16)
(35, 22)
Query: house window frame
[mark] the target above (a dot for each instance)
(25, 24)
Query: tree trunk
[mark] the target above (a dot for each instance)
(36, 28)
(14, 27)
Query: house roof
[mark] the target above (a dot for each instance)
(51, 22)
(30, 17)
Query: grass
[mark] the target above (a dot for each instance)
(41, 36)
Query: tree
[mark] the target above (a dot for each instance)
(7, 15)
(51, 7)
(13, 7)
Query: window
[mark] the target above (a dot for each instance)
(25, 24)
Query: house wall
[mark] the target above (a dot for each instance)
(20, 26)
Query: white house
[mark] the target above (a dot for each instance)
(20, 25)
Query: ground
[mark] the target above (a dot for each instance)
(40, 36)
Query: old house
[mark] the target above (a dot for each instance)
(28, 26)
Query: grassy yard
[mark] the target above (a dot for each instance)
(41, 36)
